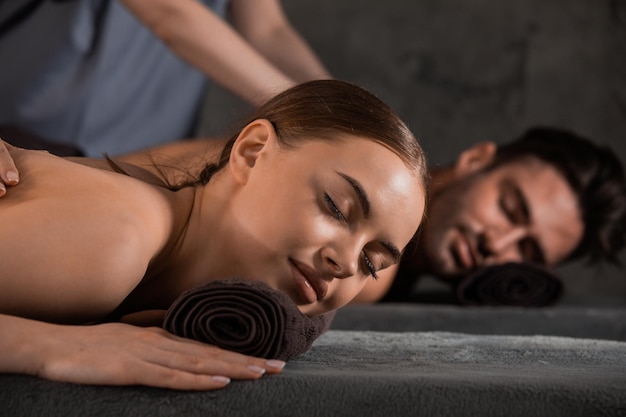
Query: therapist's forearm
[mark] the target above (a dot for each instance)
(300, 63)
(265, 26)
(204, 40)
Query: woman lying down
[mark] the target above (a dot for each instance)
(316, 193)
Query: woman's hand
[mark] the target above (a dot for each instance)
(122, 354)
(8, 171)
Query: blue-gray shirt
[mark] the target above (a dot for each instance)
(87, 73)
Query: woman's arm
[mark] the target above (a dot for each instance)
(120, 354)
(49, 273)
(204, 40)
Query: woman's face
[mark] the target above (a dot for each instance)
(318, 221)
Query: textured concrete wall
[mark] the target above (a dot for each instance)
(463, 71)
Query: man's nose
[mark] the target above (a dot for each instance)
(503, 243)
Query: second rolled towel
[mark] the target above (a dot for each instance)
(510, 284)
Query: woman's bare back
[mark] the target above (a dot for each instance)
(76, 240)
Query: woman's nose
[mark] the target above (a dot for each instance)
(340, 261)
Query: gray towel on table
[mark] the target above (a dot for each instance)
(361, 374)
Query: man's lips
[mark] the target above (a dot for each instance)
(311, 280)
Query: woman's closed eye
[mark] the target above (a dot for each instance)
(369, 266)
(334, 210)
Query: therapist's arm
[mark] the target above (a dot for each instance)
(265, 26)
(200, 37)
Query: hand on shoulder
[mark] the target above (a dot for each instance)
(9, 175)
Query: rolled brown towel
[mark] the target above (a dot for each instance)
(510, 284)
(246, 317)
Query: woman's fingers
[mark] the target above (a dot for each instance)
(193, 347)
(150, 374)
(127, 370)
(214, 362)
(8, 171)
(121, 354)
(163, 377)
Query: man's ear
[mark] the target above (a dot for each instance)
(475, 158)
(253, 141)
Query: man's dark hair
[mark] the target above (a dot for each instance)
(596, 176)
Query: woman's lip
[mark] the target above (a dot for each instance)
(312, 280)
(303, 285)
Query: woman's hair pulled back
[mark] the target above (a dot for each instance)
(324, 108)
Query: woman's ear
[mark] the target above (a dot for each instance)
(475, 158)
(253, 142)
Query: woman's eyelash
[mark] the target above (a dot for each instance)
(370, 266)
(333, 208)
(339, 216)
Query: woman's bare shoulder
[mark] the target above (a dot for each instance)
(78, 237)
(43, 171)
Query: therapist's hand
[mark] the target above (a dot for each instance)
(9, 175)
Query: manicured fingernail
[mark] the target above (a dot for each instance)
(221, 379)
(274, 363)
(256, 369)
(12, 176)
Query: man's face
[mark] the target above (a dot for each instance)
(523, 210)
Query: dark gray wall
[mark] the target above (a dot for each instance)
(462, 71)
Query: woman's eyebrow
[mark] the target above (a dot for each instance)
(393, 250)
(360, 193)
(364, 202)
